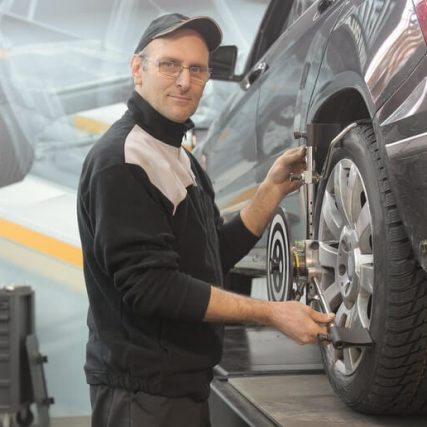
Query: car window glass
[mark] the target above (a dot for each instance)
(270, 29)
(298, 8)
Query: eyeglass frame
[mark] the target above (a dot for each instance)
(193, 78)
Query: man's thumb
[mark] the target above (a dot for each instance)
(323, 317)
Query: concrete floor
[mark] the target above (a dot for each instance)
(60, 328)
(70, 422)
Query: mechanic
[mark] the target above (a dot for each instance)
(156, 251)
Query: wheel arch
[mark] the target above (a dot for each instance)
(334, 114)
(344, 106)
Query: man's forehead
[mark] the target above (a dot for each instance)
(177, 39)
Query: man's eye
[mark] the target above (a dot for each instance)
(195, 69)
(169, 66)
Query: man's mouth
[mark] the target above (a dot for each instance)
(180, 98)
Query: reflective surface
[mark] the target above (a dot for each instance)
(60, 61)
(353, 61)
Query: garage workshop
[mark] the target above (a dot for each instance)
(213, 213)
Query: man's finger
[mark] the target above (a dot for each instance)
(322, 317)
(294, 154)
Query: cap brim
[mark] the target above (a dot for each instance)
(204, 25)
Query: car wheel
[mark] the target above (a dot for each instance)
(371, 279)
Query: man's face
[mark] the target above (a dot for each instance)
(176, 98)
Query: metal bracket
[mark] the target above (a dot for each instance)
(349, 337)
(341, 337)
(36, 361)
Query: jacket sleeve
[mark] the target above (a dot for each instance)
(134, 245)
(235, 241)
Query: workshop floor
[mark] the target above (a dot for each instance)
(70, 422)
(60, 327)
(308, 400)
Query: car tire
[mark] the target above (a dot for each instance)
(371, 279)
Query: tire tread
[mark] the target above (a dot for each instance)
(399, 387)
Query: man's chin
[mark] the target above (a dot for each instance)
(179, 117)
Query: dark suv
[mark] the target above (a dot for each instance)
(348, 78)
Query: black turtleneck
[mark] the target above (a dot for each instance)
(155, 124)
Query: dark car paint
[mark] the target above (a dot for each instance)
(359, 59)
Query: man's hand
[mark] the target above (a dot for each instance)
(291, 161)
(298, 321)
(294, 319)
(276, 185)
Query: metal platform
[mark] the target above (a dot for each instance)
(267, 380)
(255, 350)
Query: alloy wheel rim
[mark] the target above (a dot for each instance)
(347, 257)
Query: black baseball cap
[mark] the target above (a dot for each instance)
(171, 22)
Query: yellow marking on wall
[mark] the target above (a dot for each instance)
(42, 265)
(41, 243)
(90, 125)
(4, 54)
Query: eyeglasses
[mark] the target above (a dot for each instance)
(168, 68)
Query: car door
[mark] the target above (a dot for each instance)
(293, 63)
(231, 147)
(230, 151)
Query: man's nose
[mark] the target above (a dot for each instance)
(183, 79)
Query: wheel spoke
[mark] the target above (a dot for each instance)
(351, 355)
(331, 216)
(327, 254)
(363, 228)
(341, 315)
(332, 295)
(348, 359)
(342, 192)
(354, 202)
(366, 279)
(356, 315)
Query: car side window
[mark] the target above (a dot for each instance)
(297, 9)
(270, 29)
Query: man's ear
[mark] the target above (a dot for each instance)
(136, 68)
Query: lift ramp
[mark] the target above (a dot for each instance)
(265, 380)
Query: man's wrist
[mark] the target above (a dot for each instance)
(257, 214)
(271, 191)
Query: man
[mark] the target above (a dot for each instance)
(155, 250)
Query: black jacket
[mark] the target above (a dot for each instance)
(153, 244)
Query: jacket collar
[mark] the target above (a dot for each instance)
(155, 124)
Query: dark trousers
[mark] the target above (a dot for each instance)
(121, 408)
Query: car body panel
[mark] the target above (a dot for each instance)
(354, 61)
(234, 156)
(379, 66)
(407, 156)
(294, 62)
